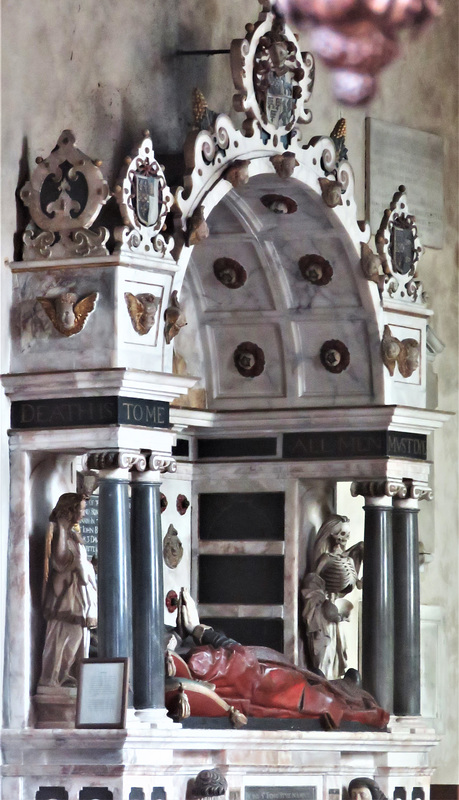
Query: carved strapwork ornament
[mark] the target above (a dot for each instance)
(64, 196)
(399, 248)
(144, 200)
(273, 78)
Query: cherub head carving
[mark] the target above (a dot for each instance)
(142, 310)
(68, 316)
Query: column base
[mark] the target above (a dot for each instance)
(153, 717)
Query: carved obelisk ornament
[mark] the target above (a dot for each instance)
(65, 195)
(144, 200)
(67, 315)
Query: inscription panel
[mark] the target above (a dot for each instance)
(359, 444)
(280, 793)
(71, 412)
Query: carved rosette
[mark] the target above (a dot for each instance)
(399, 248)
(65, 195)
(249, 359)
(230, 273)
(273, 78)
(334, 356)
(144, 200)
(279, 203)
(315, 269)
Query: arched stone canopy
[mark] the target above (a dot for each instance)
(286, 315)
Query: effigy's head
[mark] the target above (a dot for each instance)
(365, 789)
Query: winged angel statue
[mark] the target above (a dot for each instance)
(67, 315)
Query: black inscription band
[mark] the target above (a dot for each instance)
(71, 412)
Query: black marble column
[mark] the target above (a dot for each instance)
(378, 604)
(407, 629)
(114, 566)
(148, 593)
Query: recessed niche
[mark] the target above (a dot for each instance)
(230, 273)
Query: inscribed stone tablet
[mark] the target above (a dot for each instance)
(280, 792)
(89, 525)
(403, 156)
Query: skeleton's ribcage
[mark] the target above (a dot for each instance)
(339, 574)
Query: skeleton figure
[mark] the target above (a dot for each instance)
(335, 574)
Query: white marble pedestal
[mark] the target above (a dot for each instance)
(142, 759)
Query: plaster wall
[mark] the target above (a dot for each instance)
(108, 70)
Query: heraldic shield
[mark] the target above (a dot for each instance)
(147, 199)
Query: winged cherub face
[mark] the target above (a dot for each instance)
(64, 309)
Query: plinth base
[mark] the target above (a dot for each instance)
(55, 707)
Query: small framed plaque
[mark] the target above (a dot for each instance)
(102, 693)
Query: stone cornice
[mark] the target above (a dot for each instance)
(266, 422)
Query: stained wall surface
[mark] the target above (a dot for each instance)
(110, 69)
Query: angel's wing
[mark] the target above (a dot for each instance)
(135, 308)
(82, 309)
(48, 306)
(356, 553)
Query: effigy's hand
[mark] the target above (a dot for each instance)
(189, 612)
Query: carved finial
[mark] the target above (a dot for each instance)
(370, 263)
(237, 173)
(331, 192)
(197, 227)
(284, 164)
(174, 319)
(203, 116)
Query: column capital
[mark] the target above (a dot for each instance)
(378, 490)
(155, 462)
(111, 460)
(418, 490)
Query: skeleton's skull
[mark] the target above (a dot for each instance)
(341, 535)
